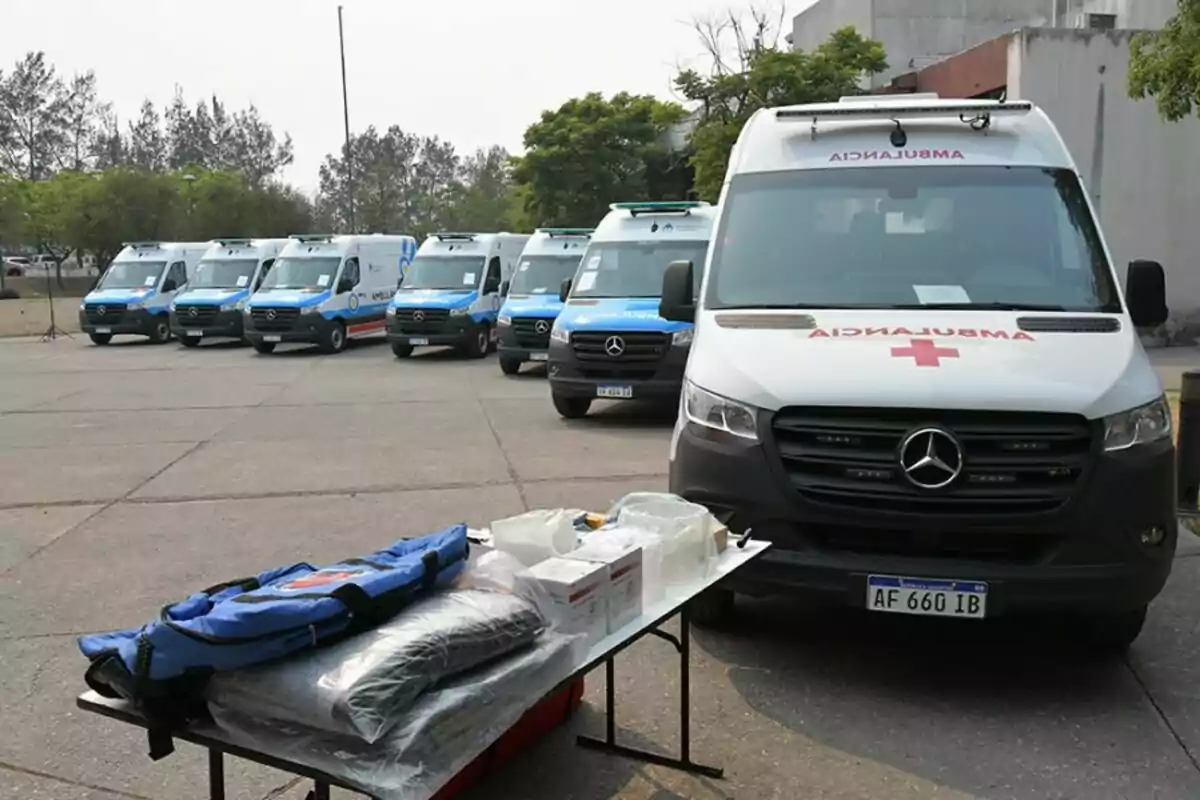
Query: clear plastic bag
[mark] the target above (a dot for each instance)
(676, 538)
(439, 736)
(536, 535)
(361, 686)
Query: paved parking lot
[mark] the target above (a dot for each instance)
(132, 474)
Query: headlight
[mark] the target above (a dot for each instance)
(719, 413)
(172, 305)
(391, 311)
(246, 310)
(313, 309)
(135, 306)
(238, 306)
(461, 311)
(1141, 425)
(682, 338)
(558, 334)
(83, 306)
(503, 321)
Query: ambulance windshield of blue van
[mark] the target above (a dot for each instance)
(224, 273)
(633, 269)
(131, 274)
(542, 274)
(905, 237)
(444, 272)
(313, 273)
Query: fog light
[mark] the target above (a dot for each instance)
(1152, 537)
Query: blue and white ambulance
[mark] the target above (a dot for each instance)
(326, 289)
(609, 341)
(451, 293)
(211, 305)
(531, 301)
(135, 293)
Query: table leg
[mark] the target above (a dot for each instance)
(320, 791)
(216, 775)
(682, 645)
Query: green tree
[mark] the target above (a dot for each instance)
(593, 151)
(763, 76)
(483, 198)
(1165, 64)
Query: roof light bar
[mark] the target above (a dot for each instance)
(233, 242)
(313, 237)
(895, 111)
(659, 207)
(577, 232)
(455, 237)
(147, 245)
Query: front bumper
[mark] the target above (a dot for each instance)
(223, 324)
(453, 331)
(306, 328)
(140, 323)
(1085, 556)
(521, 341)
(662, 380)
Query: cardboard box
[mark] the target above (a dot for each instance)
(579, 590)
(623, 569)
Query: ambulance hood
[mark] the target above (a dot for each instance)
(541, 304)
(286, 298)
(938, 359)
(214, 296)
(434, 298)
(137, 294)
(616, 313)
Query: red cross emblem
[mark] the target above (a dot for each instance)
(924, 352)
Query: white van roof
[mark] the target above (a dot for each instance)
(557, 242)
(678, 220)
(857, 132)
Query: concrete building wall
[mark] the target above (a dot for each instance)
(1140, 14)
(1141, 172)
(811, 27)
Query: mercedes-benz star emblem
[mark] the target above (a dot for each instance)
(931, 458)
(541, 326)
(614, 346)
(193, 311)
(271, 314)
(101, 310)
(418, 316)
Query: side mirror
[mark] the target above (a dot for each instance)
(504, 289)
(169, 285)
(1146, 293)
(564, 290)
(678, 303)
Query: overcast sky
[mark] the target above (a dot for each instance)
(474, 72)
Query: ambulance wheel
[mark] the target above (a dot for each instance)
(478, 342)
(402, 350)
(712, 607)
(571, 407)
(264, 347)
(100, 338)
(161, 333)
(509, 365)
(189, 341)
(334, 340)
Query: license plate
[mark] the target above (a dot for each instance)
(927, 596)
(272, 338)
(103, 330)
(620, 392)
(193, 333)
(416, 341)
(539, 356)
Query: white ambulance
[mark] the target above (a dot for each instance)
(135, 293)
(914, 370)
(211, 305)
(451, 293)
(326, 289)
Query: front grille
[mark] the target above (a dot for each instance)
(195, 316)
(104, 313)
(526, 334)
(421, 320)
(274, 319)
(992, 546)
(1012, 463)
(638, 358)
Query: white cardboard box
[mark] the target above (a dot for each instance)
(623, 568)
(579, 589)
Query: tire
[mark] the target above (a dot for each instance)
(509, 365)
(334, 340)
(162, 331)
(264, 347)
(1109, 634)
(712, 608)
(479, 342)
(189, 341)
(571, 407)
(100, 338)
(402, 350)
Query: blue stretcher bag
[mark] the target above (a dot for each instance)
(163, 666)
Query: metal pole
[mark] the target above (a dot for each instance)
(346, 120)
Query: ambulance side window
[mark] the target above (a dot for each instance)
(349, 275)
(492, 284)
(262, 273)
(176, 277)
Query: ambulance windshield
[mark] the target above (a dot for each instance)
(911, 237)
(131, 275)
(542, 274)
(461, 273)
(633, 269)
